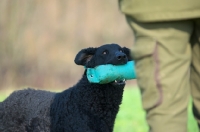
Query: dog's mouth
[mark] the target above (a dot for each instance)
(119, 82)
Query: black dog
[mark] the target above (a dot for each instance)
(85, 107)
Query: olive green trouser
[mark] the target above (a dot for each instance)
(167, 56)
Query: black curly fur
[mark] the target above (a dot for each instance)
(85, 107)
(89, 106)
(23, 109)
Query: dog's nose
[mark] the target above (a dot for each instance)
(120, 55)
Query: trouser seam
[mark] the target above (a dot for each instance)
(157, 76)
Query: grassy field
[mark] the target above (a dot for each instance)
(131, 117)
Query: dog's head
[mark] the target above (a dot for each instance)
(105, 54)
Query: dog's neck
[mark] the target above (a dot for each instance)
(99, 101)
(102, 100)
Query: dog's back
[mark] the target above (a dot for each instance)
(23, 108)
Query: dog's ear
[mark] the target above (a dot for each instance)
(84, 56)
(127, 51)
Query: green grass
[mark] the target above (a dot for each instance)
(131, 117)
(2, 97)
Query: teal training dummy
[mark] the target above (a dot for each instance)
(107, 73)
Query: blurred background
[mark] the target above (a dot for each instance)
(40, 38)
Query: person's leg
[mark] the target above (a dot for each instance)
(195, 71)
(162, 54)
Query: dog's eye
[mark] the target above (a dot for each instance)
(105, 52)
(120, 50)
